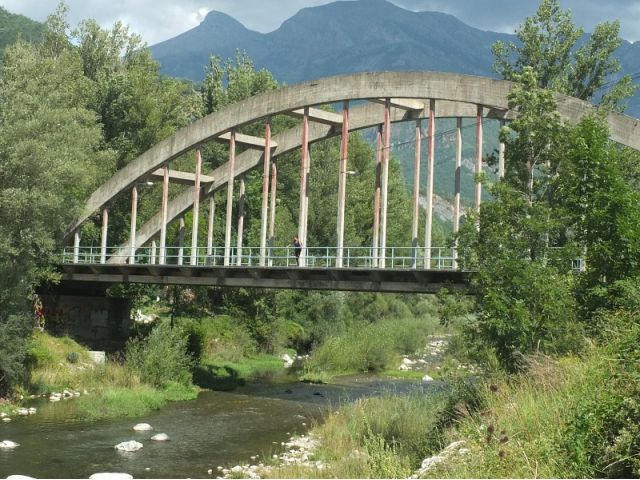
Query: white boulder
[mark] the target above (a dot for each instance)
(110, 476)
(429, 463)
(142, 427)
(19, 477)
(23, 412)
(8, 444)
(161, 437)
(130, 446)
(427, 378)
(32, 410)
(6, 419)
(288, 361)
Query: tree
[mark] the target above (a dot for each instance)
(554, 48)
(524, 293)
(604, 209)
(51, 158)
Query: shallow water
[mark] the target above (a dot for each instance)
(218, 428)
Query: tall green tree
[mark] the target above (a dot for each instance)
(551, 44)
(524, 298)
(51, 157)
(604, 208)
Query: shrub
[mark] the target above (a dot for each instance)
(13, 351)
(603, 431)
(161, 357)
(72, 357)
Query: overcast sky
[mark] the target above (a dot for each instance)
(158, 20)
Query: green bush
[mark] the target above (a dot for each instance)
(73, 357)
(161, 357)
(220, 337)
(603, 433)
(14, 333)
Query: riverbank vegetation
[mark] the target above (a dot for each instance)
(553, 325)
(155, 370)
(556, 338)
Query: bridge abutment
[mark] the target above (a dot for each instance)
(83, 311)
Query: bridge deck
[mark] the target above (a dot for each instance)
(307, 278)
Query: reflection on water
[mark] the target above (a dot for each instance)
(219, 428)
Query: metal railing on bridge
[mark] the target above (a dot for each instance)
(440, 258)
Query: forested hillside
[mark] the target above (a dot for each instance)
(13, 26)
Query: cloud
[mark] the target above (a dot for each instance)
(158, 20)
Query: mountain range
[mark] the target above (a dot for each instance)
(346, 37)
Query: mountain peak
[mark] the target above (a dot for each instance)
(215, 17)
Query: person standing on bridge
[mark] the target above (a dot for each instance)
(297, 249)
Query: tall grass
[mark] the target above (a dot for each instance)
(115, 389)
(50, 368)
(370, 347)
(561, 419)
(116, 402)
(385, 437)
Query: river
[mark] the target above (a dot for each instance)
(218, 428)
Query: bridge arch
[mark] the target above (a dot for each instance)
(452, 95)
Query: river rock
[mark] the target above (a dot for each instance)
(427, 378)
(19, 477)
(130, 446)
(288, 361)
(32, 411)
(23, 412)
(110, 476)
(8, 444)
(3, 414)
(142, 427)
(161, 437)
(6, 419)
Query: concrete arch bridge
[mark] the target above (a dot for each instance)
(369, 100)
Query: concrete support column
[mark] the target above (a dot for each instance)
(416, 193)
(306, 201)
(430, 174)
(181, 242)
(386, 154)
(105, 229)
(376, 199)
(212, 212)
(134, 221)
(76, 247)
(302, 219)
(230, 175)
(501, 155)
(456, 187)
(265, 192)
(154, 253)
(478, 157)
(272, 209)
(240, 222)
(196, 210)
(165, 207)
(342, 183)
